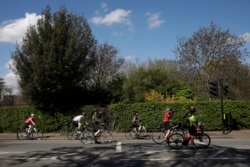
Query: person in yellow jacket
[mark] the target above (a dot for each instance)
(191, 128)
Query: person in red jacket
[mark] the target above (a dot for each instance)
(166, 119)
(29, 122)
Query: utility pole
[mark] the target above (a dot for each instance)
(222, 105)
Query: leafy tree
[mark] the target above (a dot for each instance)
(141, 81)
(210, 54)
(1, 88)
(55, 60)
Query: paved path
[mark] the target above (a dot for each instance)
(239, 134)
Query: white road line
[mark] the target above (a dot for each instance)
(15, 152)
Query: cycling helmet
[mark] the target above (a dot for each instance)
(32, 115)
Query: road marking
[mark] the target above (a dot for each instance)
(15, 152)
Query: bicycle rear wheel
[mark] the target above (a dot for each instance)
(202, 141)
(175, 140)
(158, 137)
(21, 134)
(131, 133)
(106, 137)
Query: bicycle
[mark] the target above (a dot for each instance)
(23, 134)
(136, 132)
(87, 136)
(176, 140)
(201, 139)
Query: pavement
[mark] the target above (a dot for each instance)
(235, 134)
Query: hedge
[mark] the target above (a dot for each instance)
(237, 115)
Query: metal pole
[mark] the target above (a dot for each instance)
(222, 107)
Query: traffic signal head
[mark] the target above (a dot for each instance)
(214, 89)
(225, 90)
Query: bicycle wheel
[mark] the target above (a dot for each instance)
(106, 137)
(73, 135)
(86, 137)
(158, 137)
(21, 134)
(175, 140)
(131, 133)
(202, 140)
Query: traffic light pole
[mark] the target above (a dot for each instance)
(222, 106)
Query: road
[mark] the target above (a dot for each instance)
(227, 152)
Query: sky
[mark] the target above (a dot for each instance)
(139, 29)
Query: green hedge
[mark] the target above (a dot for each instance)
(150, 114)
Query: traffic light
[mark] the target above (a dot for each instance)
(225, 90)
(214, 89)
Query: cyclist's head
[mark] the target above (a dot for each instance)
(169, 109)
(192, 109)
(32, 115)
(83, 114)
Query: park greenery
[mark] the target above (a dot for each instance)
(62, 69)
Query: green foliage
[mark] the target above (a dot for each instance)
(150, 115)
(143, 80)
(55, 60)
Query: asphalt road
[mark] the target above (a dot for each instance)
(228, 152)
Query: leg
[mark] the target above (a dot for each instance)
(166, 136)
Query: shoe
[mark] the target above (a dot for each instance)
(193, 148)
(97, 142)
(185, 143)
(78, 131)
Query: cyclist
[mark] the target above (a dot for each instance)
(192, 127)
(96, 123)
(135, 121)
(29, 122)
(166, 119)
(77, 121)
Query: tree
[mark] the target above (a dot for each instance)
(1, 89)
(105, 77)
(210, 54)
(55, 60)
(153, 77)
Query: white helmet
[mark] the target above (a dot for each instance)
(32, 115)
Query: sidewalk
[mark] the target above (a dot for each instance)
(239, 134)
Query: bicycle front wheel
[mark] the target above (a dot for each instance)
(131, 133)
(106, 137)
(73, 135)
(175, 140)
(158, 137)
(86, 137)
(202, 141)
